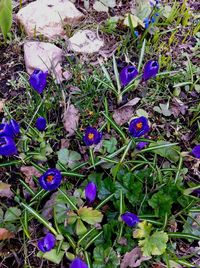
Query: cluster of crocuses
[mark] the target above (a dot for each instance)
(50, 181)
(130, 72)
(8, 131)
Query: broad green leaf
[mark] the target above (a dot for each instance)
(105, 258)
(12, 214)
(110, 145)
(169, 152)
(143, 230)
(155, 244)
(89, 215)
(69, 158)
(162, 203)
(53, 256)
(80, 227)
(5, 16)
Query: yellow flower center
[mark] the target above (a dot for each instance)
(90, 136)
(49, 178)
(139, 125)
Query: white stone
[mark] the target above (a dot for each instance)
(85, 41)
(48, 17)
(45, 56)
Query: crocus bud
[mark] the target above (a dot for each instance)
(130, 219)
(127, 74)
(150, 70)
(91, 191)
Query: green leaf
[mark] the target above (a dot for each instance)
(110, 145)
(90, 216)
(105, 258)
(12, 214)
(143, 230)
(5, 16)
(169, 152)
(80, 227)
(161, 203)
(53, 256)
(69, 158)
(155, 244)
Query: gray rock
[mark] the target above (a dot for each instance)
(48, 17)
(85, 41)
(45, 56)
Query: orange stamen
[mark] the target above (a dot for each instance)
(139, 125)
(90, 136)
(49, 178)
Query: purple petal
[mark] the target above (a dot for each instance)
(78, 263)
(91, 191)
(127, 74)
(38, 80)
(141, 145)
(15, 127)
(7, 146)
(41, 123)
(130, 219)
(5, 130)
(150, 70)
(47, 243)
(139, 127)
(92, 136)
(50, 180)
(196, 151)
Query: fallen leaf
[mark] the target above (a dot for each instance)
(67, 75)
(47, 211)
(2, 102)
(29, 172)
(124, 113)
(133, 258)
(5, 190)
(100, 7)
(5, 234)
(178, 107)
(70, 120)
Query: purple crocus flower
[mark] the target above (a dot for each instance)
(150, 70)
(38, 80)
(47, 243)
(50, 180)
(141, 145)
(127, 74)
(196, 151)
(41, 123)
(139, 127)
(92, 136)
(78, 263)
(15, 127)
(5, 130)
(91, 191)
(7, 146)
(130, 219)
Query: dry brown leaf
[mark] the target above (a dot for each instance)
(5, 190)
(178, 107)
(29, 172)
(124, 113)
(70, 120)
(2, 102)
(133, 258)
(5, 234)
